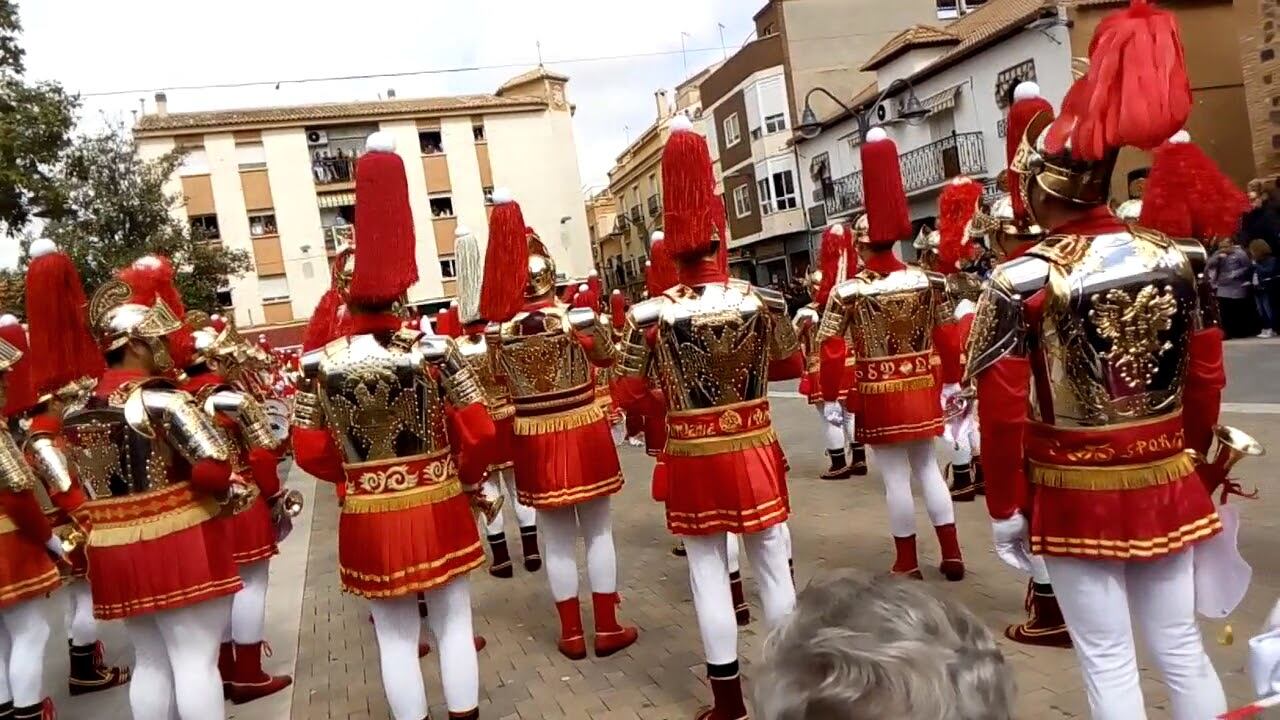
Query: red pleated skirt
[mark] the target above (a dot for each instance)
(565, 459)
(251, 533)
(26, 571)
(896, 399)
(178, 560)
(655, 434)
(504, 443)
(396, 543)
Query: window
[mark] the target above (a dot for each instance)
(741, 201)
(942, 125)
(273, 288)
(262, 223)
(194, 162)
(775, 123)
(251, 156)
(784, 190)
(653, 183)
(224, 296)
(430, 142)
(488, 194)
(766, 196)
(441, 207)
(477, 132)
(205, 227)
(732, 133)
(448, 268)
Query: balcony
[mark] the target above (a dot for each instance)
(333, 170)
(845, 195)
(621, 224)
(636, 215)
(655, 206)
(939, 161)
(338, 236)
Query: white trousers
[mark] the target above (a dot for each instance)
(249, 605)
(176, 662)
(899, 464)
(709, 581)
(24, 632)
(560, 529)
(397, 626)
(1098, 598)
(505, 480)
(836, 437)
(82, 626)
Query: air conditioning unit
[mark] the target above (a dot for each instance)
(317, 137)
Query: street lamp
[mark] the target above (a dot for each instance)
(911, 109)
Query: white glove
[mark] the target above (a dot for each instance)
(54, 546)
(965, 307)
(1264, 663)
(949, 390)
(834, 413)
(1012, 541)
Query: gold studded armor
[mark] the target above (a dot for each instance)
(806, 324)
(252, 423)
(475, 350)
(884, 316)
(15, 474)
(539, 353)
(1117, 314)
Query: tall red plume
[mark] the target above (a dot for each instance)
(151, 277)
(661, 273)
(956, 206)
(688, 192)
(1136, 90)
(568, 294)
(386, 265)
(322, 326)
(882, 192)
(506, 260)
(1188, 196)
(20, 393)
(593, 282)
(218, 323)
(617, 309)
(63, 348)
(837, 249)
(586, 298)
(455, 321)
(1027, 103)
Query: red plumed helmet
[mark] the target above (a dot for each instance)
(1027, 103)
(660, 272)
(506, 260)
(20, 395)
(837, 258)
(617, 309)
(1136, 90)
(689, 203)
(956, 207)
(151, 277)
(455, 321)
(593, 282)
(886, 201)
(385, 264)
(322, 327)
(441, 325)
(586, 297)
(63, 348)
(1188, 196)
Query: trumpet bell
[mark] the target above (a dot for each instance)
(1238, 441)
(291, 503)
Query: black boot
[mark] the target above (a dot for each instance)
(501, 565)
(6, 711)
(858, 458)
(962, 487)
(89, 673)
(42, 710)
(678, 549)
(529, 544)
(840, 468)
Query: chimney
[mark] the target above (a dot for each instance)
(391, 93)
(162, 104)
(660, 99)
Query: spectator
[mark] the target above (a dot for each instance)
(1262, 221)
(1264, 287)
(858, 648)
(1230, 272)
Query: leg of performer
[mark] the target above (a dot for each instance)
(975, 445)
(527, 519)
(741, 611)
(619, 432)
(6, 693)
(151, 694)
(712, 603)
(1162, 595)
(27, 628)
(937, 500)
(248, 620)
(767, 551)
(1044, 626)
(857, 451)
(397, 625)
(895, 469)
(1095, 603)
(596, 523)
(191, 635)
(791, 556)
(89, 673)
(450, 620)
(835, 442)
(560, 532)
(495, 532)
(962, 487)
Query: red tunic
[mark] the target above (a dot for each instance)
(26, 570)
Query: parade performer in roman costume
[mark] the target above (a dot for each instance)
(473, 346)
(28, 549)
(398, 419)
(714, 344)
(1099, 347)
(566, 465)
(156, 472)
(895, 316)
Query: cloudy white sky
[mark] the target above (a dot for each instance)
(148, 45)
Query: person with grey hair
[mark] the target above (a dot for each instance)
(858, 648)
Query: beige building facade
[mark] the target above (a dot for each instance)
(279, 183)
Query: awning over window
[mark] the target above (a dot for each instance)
(335, 199)
(942, 101)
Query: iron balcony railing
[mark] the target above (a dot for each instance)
(941, 160)
(845, 195)
(329, 170)
(654, 206)
(338, 236)
(637, 216)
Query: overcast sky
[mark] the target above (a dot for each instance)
(148, 45)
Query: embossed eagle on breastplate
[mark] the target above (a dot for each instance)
(375, 409)
(1133, 322)
(720, 354)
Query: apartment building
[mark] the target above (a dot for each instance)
(278, 182)
(606, 241)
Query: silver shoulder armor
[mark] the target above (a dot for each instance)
(187, 430)
(844, 293)
(459, 379)
(999, 328)
(646, 313)
(775, 301)
(248, 414)
(1196, 255)
(306, 404)
(581, 318)
(1198, 259)
(806, 315)
(633, 347)
(49, 463)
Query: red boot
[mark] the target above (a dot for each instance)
(610, 636)
(1044, 626)
(741, 612)
(905, 562)
(227, 666)
(249, 682)
(572, 643)
(727, 696)
(480, 642)
(952, 566)
(90, 674)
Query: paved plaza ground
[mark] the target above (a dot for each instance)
(323, 637)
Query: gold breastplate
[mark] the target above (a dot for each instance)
(890, 315)
(381, 401)
(539, 354)
(1118, 314)
(111, 458)
(475, 350)
(713, 347)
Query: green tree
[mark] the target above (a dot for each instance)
(36, 120)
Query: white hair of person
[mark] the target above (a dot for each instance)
(863, 648)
